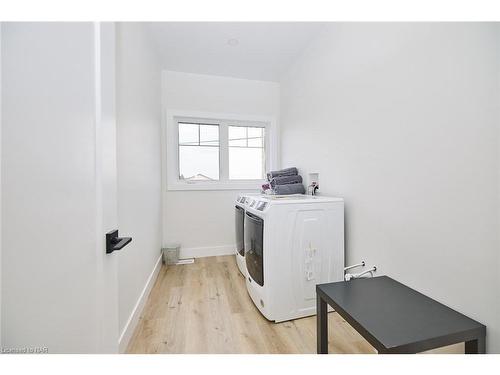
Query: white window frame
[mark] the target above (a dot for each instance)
(173, 117)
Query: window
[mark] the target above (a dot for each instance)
(198, 152)
(247, 155)
(213, 152)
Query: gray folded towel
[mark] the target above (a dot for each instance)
(289, 189)
(283, 172)
(285, 180)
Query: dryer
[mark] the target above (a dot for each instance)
(291, 244)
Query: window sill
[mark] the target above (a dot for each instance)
(230, 185)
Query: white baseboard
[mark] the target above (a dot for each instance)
(209, 251)
(132, 321)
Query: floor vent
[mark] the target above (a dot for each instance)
(185, 261)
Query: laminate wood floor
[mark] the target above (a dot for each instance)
(204, 308)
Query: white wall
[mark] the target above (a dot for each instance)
(403, 121)
(139, 166)
(203, 221)
(50, 287)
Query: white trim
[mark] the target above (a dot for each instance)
(209, 251)
(133, 319)
(0, 184)
(171, 139)
(105, 180)
(101, 305)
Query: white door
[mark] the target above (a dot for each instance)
(59, 287)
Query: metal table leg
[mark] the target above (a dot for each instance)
(477, 346)
(321, 325)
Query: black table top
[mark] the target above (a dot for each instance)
(394, 315)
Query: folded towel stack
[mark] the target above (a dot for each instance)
(297, 188)
(286, 181)
(284, 172)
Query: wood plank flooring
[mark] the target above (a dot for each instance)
(204, 308)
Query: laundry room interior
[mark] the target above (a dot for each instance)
(250, 187)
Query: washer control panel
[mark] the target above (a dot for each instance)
(258, 205)
(261, 206)
(253, 203)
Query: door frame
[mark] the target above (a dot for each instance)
(106, 185)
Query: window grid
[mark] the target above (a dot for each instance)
(199, 167)
(199, 135)
(246, 138)
(200, 172)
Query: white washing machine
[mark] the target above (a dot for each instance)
(239, 224)
(291, 244)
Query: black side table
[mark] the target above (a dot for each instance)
(395, 318)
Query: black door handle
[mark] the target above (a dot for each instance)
(113, 242)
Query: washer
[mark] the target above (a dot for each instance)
(239, 225)
(291, 244)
